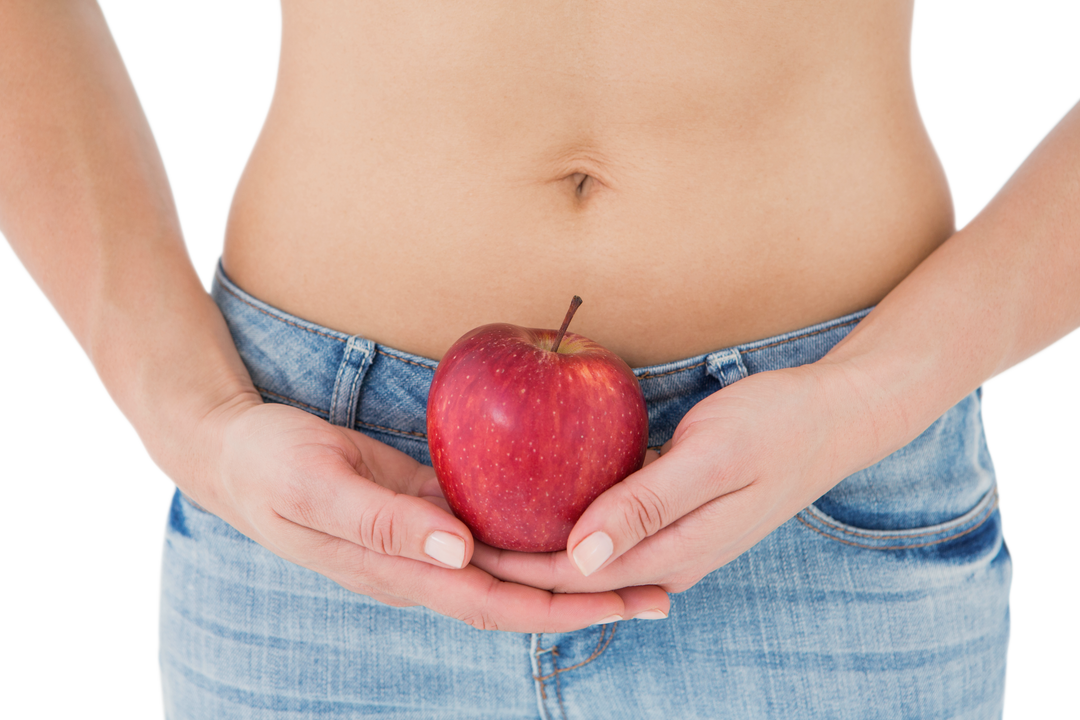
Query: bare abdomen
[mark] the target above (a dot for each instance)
(698, 184)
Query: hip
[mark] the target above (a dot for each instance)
(888, 597)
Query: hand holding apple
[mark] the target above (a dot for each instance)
(363, 514)
(742, 462)
(527, 427)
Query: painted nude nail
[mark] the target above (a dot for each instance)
(609, 619)
(650, 615)
(446, 548)
(592, 552)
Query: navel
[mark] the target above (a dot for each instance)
(583, 184)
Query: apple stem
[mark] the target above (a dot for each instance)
(566, 321)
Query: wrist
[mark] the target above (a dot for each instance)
(870, 418)
(180, 381)
(192, 456)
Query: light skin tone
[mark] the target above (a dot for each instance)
(752, 455)
(87, 207)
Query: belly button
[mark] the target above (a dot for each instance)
(582, 184)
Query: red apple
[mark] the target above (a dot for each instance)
(527, 427)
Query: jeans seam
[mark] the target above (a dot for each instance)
(801, 337)
(645, 376)
(558, 680)
(539, 669)
(392, 356)
(980, 523)
(373, 426)
(357, 361)
(601, 646)
(934, 530)
(287, 321)
(291, 401)
(275, 317)
(819, 331)
(321, 412)
(298, 326)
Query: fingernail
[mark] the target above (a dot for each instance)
(609, 619)
(650, 615)
(446, 548)
(592, 552)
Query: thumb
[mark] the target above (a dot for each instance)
(641, 505)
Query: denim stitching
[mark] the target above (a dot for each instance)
(804, 335)
(290, 401)
(722, 365)
(540, 668)
(270, 314)
(643, 376)
(755, 349)
(391, 430)
(226, 286)
(558, 680)
(597, 652)
(601, 646)
(401, 359)
(976, 526)
(250, 304)
(321, 411)
(345, 367)
(354, 389)
(670, 372)
(885, 534)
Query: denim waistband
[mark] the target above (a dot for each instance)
(326, 372)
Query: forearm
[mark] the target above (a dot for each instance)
(85, 203)
(997, 292)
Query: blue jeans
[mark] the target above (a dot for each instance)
(886, 598)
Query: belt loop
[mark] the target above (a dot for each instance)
(726, 366)
(358, 355)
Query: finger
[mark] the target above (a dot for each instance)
(429, 487)
(333, 498)
(555, 572)
(641, 505)
(650, 456)
(438, 502)
(391, 467)
(469, 595)
(397, 471)
(645, 602)
(431, 491)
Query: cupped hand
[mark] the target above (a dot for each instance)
(372, 519)
(741, 462)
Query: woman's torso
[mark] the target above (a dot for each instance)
(701, 173)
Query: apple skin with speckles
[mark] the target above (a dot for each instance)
(523, 439)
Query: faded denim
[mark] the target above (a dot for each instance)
(887, 598)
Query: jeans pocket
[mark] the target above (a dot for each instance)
(902, 539)
(938, 487)
(193, 522)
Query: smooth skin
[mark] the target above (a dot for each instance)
(86, 205)
(756, 146)
(752, 455)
